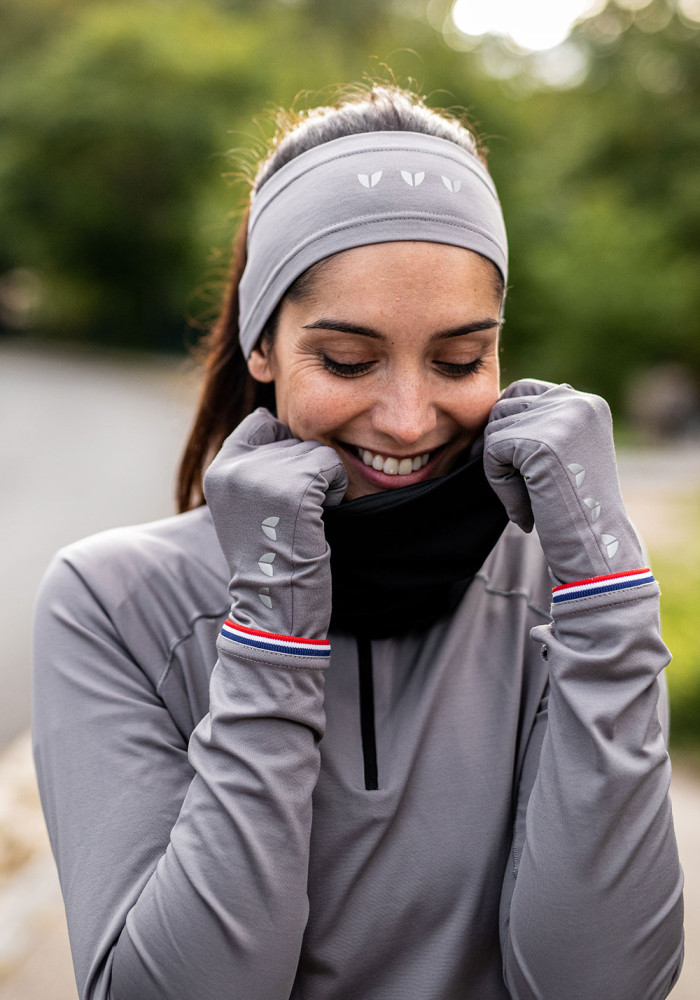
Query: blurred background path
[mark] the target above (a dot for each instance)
(86, 442)
(89, 442)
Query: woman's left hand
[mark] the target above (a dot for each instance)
(593, 832)
(549, 456)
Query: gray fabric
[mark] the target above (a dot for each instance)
(376, 187)
(212, 830)
(550, 457)
(273, 538)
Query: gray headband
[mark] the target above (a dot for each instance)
(375, 187)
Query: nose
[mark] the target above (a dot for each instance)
(405, 410)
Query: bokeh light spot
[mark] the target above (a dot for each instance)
(534, 26)
(690, 9)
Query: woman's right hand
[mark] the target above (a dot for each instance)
(266, 490)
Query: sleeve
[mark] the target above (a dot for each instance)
(592, 904)
(183, 867)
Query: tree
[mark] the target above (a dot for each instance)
(116, 119)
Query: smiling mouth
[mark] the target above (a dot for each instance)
(390, 465)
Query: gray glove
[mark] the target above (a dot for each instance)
(266, 490)
(549, 456)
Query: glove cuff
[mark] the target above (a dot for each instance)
(271, 642)
(601, 585)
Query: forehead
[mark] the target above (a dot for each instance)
(415, 273)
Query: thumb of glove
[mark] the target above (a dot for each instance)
(508, 484)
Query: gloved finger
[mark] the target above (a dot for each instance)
(519, 396)
(258, 428)
(507, 482)
(505, 408)
(526, 387)
(510, 488)
(298, 464)
(337, 478)
(323, 465)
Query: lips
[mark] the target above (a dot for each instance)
(386, 472)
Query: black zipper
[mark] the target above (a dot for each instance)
(369, 738)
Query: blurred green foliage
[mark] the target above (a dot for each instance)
(128, 128)
(678, 573)
(117, 195)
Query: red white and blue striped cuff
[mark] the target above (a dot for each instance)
(602, 585)
(273, 642)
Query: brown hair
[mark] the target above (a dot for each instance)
(228, 390)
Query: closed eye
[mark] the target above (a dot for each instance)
(346, 370)
(449, 368)
(453, 370)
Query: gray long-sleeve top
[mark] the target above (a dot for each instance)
(211, 824)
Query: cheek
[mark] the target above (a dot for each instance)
(474, 407)
(317, 409)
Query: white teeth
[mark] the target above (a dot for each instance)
(393, 466)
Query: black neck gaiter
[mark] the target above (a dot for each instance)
(403, 558)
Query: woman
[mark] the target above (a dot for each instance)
(424, 786)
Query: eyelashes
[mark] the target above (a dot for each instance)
(346, 371)
(448, 368)
(460, 371)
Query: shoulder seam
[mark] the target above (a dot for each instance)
(497, 592)
(172, 649)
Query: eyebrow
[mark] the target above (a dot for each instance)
(366, 331)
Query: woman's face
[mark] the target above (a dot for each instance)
(391, 358)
